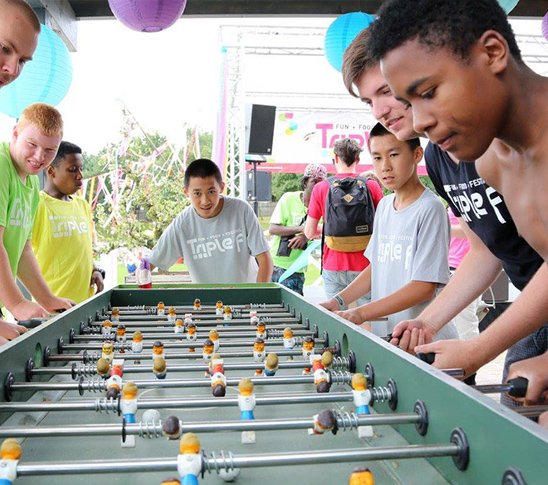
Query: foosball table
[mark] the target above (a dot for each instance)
(248, 383)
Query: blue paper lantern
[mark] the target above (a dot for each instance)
(45, 79)
(508, 5)
(341, 33)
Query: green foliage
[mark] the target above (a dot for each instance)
(285, 182)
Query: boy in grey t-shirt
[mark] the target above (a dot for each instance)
(409, 247)
(219, 237)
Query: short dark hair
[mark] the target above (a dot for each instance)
(65, 148)
(202, 168)
(452, 24)
(348, 150)
(380, 130)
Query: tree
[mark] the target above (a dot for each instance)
(285, 182)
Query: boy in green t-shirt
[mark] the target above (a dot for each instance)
(34, 143)
(287, 226)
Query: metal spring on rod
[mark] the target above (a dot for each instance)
(257, 305)
(150, 430)
(274, 333)
(106, 405)
(346, 421)
(381, 394)
(340, 362)
(94, 385)
(149, 310)
(340, 377)
(266, 319)
(85, 370)
(91, 357)
(122, 346)
(227, 462)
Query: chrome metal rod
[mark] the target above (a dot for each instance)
(185, 344)
(243, 461)
(154, 429)
(205, 308)
(168, 333)
(457, 373)
(156, 321)
(530, 411)
(220, 327)
(493, 388)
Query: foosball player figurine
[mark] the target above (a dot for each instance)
(308, 352)
(10, 454)
(289, 340)
(161, 308)
(106, 328)
(261, 330)
(159, 368)
(179, 327)
(121, 337)
(188, 319)
(137, 345)
(322, 379)
(361, 476)
(171, 428)
(197, 304)
(246, 403)
(107, 351)
(271, 365)
(207, 353)
(323, 421)
(171, 481)
(214, 337)
(171, 315)
(253, 317)
(115, 317)
(362, 399)
(227, 313)
(218, 378)
(191, 335)
(103, 368)
(219, 308)
(259, 355)
(115, 382)
(128, 408)
(189, 461)
(158, 350)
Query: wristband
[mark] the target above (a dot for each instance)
(339, 300)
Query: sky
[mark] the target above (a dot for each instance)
(171, 78)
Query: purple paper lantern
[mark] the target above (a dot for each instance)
(147, 15)
(545, 26)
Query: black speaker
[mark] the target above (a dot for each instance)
(264, 186)
(259, 129)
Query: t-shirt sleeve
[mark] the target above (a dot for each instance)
(255, 238)
(431, 260)
(169, 248)
(4, 195)
(376, 192)
(277, 216)
(315, 209)
(433, 163)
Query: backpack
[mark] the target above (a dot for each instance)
(349, 214)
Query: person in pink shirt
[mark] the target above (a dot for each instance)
(339, 268)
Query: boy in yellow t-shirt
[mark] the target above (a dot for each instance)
(62, 233)
(34, 143)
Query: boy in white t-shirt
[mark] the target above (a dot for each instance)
(219, 237)
(408, 250)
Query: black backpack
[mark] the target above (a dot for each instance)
(349, 214)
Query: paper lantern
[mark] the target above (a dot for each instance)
(545, 26)
(45, 79)
(341, 33)
(147, 15)
(508, 5)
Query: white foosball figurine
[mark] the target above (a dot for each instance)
(362, 399)
(106, 328)
(219, 308)
(308, 352)
(246, 403)
(179, 328)
(128, 408)
(137, 345)
(261, 330)
(158, 350)
(121, 337)
(115, 316)
(197, 305)
(159, 368)
(191, 334)
(188, 319)
(271, 365)
(207, 353)
(253, 317)
(214, 337)
(189, 461)
(172, 315)
(10, 454)
(227, 313)
(161, 308)
(289, 340)
(259, 355)
(107, 351)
